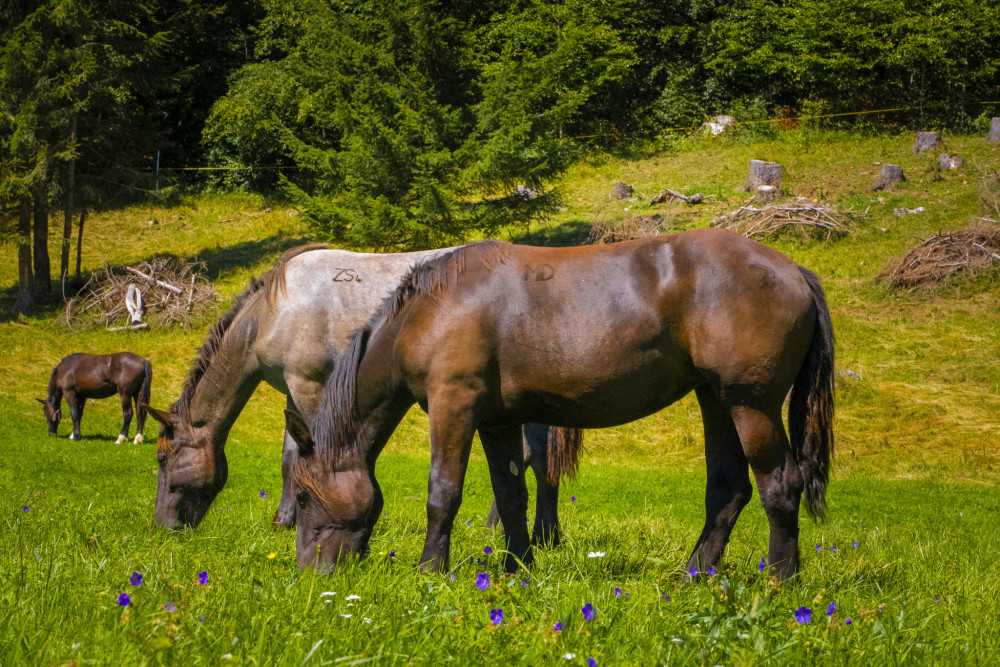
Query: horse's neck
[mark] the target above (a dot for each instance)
(226, 385)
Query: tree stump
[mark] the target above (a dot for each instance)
(763, 173)
(926, 141)
(765, 194)
(947, 162)
(891, 174)
(994, 135)
(622, 190)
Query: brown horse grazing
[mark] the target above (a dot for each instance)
(287, 329)
(495, 335)
(81, 376)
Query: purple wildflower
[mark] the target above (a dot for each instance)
(832, 608)
(711, 571)
(588, 612)
(26, 509)
(135, 579)
(469, 522)
(524, 584)
(488, 550)
(201, 619)
(591, 662)
(496, 615)
(855, 545)
(203, 577)
(937, 598)
(667, 598)
(453, 576)
(803, 614)
(557, 627)
(263, 494)
(833, 549)
(572, 499)
(819, 547)
(483, 581)
(763, 563)
(618, 592)
(170, 606)
(693, 572)
(847, 622)
(392, 554)
(282, 521)
(124, 600)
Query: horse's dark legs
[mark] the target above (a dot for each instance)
(75, 404)
(546, 528)
(779, 483)
(126, 418)
(728, 488)
(140, 423)
(452, 427)
(285, 516)
(505, 455)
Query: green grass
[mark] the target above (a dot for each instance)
(915, 479)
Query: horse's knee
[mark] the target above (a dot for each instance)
(781, 492)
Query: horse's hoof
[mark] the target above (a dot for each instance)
(72, 436)
(121, 439)
(138, 439)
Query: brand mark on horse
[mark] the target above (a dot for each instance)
(539, 273)
(346, 276)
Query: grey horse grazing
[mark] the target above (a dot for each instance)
(287, 329)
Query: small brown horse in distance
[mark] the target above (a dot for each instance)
(493, 335)
(81, 376)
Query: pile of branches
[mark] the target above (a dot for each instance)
(639, 227)
(809, 219)
(172, 292)
(973, 250)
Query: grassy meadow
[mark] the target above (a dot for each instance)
(905, 571)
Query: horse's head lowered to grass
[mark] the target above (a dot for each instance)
(52, 415)
(336, 512)
(191, 470)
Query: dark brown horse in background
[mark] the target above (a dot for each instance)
(81, 376)
(493, 336)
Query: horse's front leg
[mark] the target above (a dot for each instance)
(452, 417)
(304, 397)
(126, 418)
(75, 405)
(505, 455)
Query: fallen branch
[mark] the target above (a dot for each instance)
(666, 195)
(130, 328)
(172, 288)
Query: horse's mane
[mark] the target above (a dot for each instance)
(337, 423)
(270, 284)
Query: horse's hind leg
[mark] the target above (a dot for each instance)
(546, 528)
(779, 483)
(728, 489)
(140, 423)
(505, 455)
(126, 418)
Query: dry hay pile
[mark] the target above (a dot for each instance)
(640, 227)
(809, 219)
(172, 292)
(973, 250)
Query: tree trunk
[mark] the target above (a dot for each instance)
(764, 173)
(926, 141)
(67, 216)
(43, 273)
(994, 135)
(891, 174)
(79, 242)
(25, 279)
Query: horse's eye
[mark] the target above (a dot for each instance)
(303, 498)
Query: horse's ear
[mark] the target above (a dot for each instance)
(296, 427)
(159, 415)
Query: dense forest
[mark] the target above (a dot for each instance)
(412, 123)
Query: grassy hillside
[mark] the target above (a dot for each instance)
(915, 477)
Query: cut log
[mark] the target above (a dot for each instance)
(926, 141)
(622, 190)
(994, 135)
(666, 195)
(172, 288)
(947, 162)
(891, 174)
(763, 173)
(130, 328)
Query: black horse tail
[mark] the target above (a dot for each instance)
(563, 452)
(810, 412)
(147, 381)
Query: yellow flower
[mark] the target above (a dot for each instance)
(271, 555)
